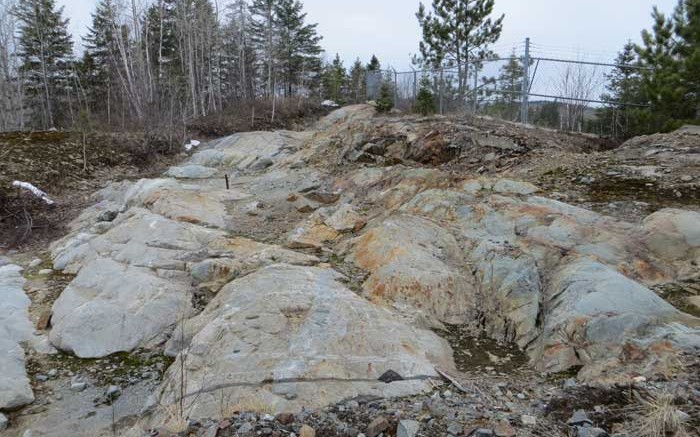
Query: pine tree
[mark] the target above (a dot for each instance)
(458, 32)
(46, 49)
(334, 81)
(298, 50)
(425, 100)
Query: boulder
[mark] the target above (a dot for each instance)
(345, 219)
(114, 307)
(596, 317)
(673, 235)
(289, 337)
(15, 328)
(139, 238)
(417, 264)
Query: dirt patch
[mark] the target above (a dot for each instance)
(480, 353)
(68, 170)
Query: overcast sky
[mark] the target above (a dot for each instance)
(594, 29)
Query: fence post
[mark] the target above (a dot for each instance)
(396, 89)
(524, 97)
(415, 86)
(440, 90)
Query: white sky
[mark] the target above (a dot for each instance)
(388, 28)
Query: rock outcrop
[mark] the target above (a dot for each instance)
(243, 285)
(15, 329)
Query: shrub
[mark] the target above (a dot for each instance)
(385, 103)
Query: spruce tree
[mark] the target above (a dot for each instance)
(374, 64)
(358, 82)
(46, 50)
(97, 66)
(298, 50)
(510, 81)
(672, 50)
(263, 36)
(425, 100)
(624, 88)
(457, 32)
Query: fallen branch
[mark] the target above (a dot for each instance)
(452, 380)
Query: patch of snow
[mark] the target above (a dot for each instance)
(34, 190)
(329, 104)
(192, 144)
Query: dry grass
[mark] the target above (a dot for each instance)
(659, 416)
(248, 404)
(173, 421)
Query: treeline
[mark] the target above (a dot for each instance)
(666, 87)
(162, 65)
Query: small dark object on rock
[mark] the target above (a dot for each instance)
(107, 216)
(390, 376)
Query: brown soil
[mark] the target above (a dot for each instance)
(54, 162)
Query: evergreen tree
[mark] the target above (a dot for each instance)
(262, 31)
(672, 50)
(98, 66)
(298, 50)
(374, 64)
(46, 49)
(238, 54)
(458, 32)
(425, 100)
(510, 81)
(624, 88)
(385, 102)
(334, 81)
(358, 82)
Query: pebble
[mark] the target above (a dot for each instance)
(579, 418)
(528, 420)
(78, 386)
(42, 378)
(483, 432)
(306, 431)
(35, 263)
(113, 392)
(53, 373)
(4, 422)
(45, 272)
(245, 428)
(407, 428)
(377, 426)
(455, 428)
(687, 178)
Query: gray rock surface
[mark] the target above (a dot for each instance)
(289, 337)
(114, 307)
(15, 328)
(191, 171)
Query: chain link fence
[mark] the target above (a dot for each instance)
(529, 87)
